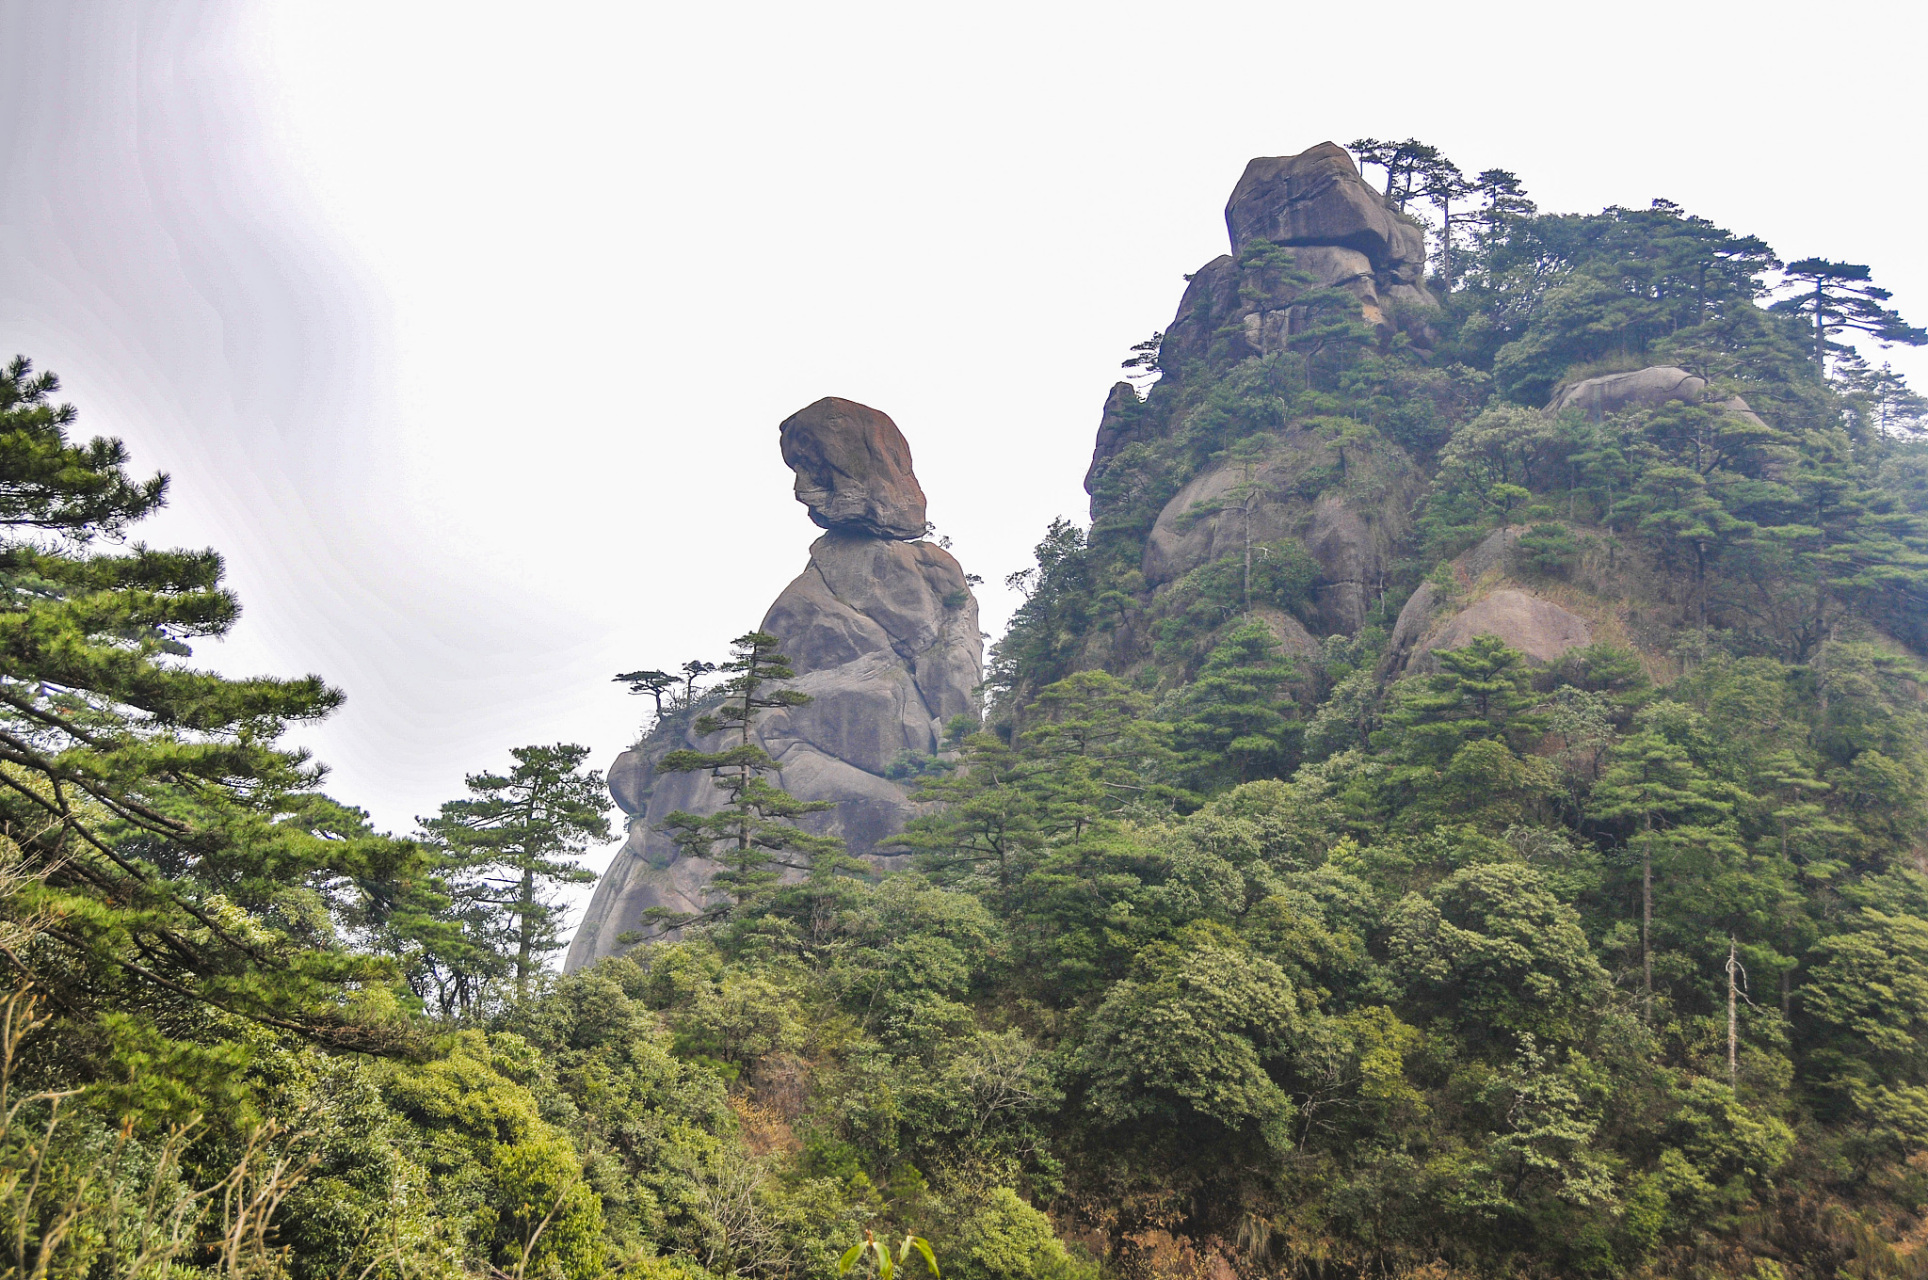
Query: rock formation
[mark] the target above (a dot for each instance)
(1610, 593)
(883, 634)
(1647, 388)
(1537, 627)
(1350, 530)
(1340, 231)
(1490, 599)
(1347, 503)
(853, 469)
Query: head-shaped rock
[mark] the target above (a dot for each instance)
(853, 470)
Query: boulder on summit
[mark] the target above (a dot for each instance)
(853, 469)
(1339, 230)
(1318, 198)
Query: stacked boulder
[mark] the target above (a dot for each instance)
(1340, 231)
(1648, 388)
(882, 630)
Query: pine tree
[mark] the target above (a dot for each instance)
(1443, 183)
(180, 854)
(1655, 785)
(984, 820)
(515, 839)
(693, 670)
(1234, 724)
(1097, 753)
(654, 683)
(755, 835)
(1481, 691)
(1841, 296)
(1503, 200)
(1405, 163)
(1883, 404)
(1328, 330)
(1456, 743)
(445, 945)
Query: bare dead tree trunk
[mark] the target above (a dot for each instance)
(1733, 1014)
(1647, 918)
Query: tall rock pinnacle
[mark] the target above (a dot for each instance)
(882, 632)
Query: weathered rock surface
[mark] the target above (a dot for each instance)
(1350, 530)
(1414, 617)
(1538, 628)
(1115, 429)
(1339, 230)
(1351, 545)
(1639, 389)
(1647, 388)
(1525, 620)
(1318, 198)
(853, 469)
(1294, 640)
(883, 634)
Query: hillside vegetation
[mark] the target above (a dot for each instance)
(1414, 831)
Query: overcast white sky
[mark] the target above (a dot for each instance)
(465, 328)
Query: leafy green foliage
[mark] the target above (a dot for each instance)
(1361, 963)
(1280, 575)
(1238, 723)
(178, 864)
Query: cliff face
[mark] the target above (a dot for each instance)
(1346, 503)
(882, 631)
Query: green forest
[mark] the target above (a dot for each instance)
(1211, 956)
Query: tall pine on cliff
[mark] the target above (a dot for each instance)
(510, 844)
(754, 836)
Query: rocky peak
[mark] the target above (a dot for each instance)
(853, 469)
(1340, 231)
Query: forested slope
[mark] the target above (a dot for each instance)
(1457, 810)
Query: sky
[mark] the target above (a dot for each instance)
(464, 329)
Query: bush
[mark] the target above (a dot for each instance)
(1006, 1239)
(1549, 550)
